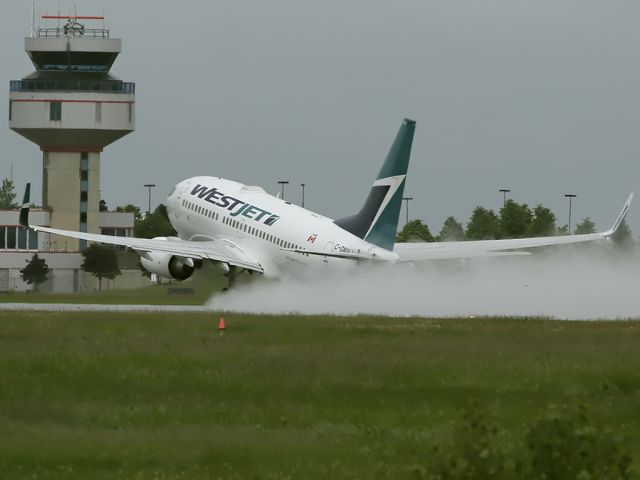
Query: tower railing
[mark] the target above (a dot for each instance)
(107, 86)
(61, 32)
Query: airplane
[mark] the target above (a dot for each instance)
(243, 228)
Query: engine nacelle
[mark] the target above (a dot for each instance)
(168, 266)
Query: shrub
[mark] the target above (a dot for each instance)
(563, 444)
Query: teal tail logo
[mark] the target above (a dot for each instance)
(377, 221)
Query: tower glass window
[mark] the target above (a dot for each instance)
(84, 194)
(55, 111)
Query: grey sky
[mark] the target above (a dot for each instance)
(537, 96)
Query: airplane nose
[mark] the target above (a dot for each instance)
(183, 186)
(177, 190)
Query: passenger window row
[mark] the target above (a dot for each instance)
(200, 210)
(256, 232)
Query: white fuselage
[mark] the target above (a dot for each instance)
(274, 232)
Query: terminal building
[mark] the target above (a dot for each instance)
(72, 107)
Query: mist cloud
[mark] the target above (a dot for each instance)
(568, 283)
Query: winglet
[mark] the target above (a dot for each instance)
(620, 219)
(24, 211)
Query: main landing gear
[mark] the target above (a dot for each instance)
(232, 274)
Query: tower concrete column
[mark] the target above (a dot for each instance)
(76, 206)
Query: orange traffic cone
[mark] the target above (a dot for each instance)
(221, 326)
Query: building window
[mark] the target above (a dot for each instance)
(18, 238)
(55, 111)
(10, 108)
(33, 240)
(22, 238)
(98, 112)
(130, 112)
(11, 238)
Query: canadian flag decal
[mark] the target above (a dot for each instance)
(312, 238)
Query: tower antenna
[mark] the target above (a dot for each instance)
(33, 18)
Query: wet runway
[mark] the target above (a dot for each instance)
(74, 307)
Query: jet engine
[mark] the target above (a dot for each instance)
(169, 266)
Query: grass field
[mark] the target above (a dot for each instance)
(165, 396)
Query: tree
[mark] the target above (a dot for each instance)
(102, 206)
(415, 231)
(36, 272)
(623, 238)
(7, 195)
(483, 225)
(130, 208)
(101, 261)
(585, 226)
(155, 224)
(451, 231)
(515, 219)
(543, 223)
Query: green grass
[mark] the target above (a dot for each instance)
(166, 396)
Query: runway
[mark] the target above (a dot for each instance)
(92, 307)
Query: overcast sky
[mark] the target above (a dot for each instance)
(541, 97)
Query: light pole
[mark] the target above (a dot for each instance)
(570, 196)
(407, 199)
(149, 186)
(283, 183)
(302, 185)
(504, 195)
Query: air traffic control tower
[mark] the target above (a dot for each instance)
(72, 107)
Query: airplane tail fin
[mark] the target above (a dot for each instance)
(377, 221)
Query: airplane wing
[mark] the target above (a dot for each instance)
(410, 252)
(217, 250)
(333, 254)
